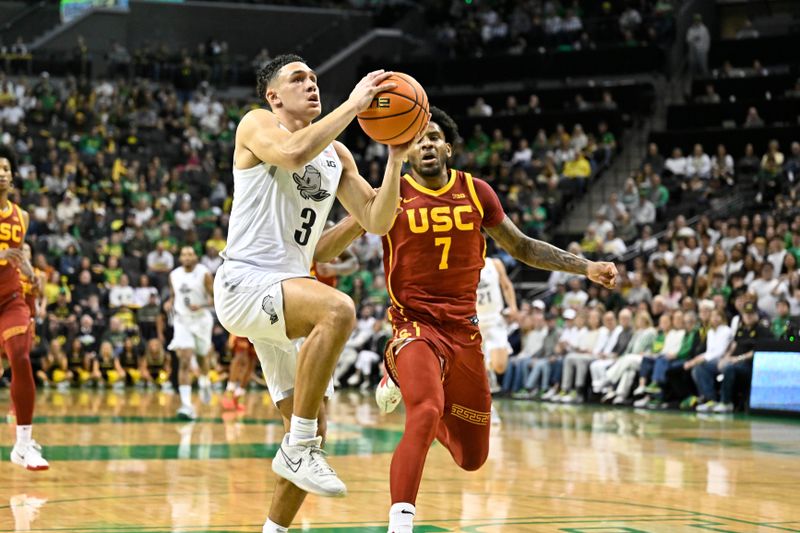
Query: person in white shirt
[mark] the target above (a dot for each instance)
(576, 297)
(121, 294)
(613, 245)
(598, 340)
(768, 290)
(646, 212)
(142, 293)
(698, 40)
(717, 341)
(698, 164)
(677, 164)
(192, 298)
(532, 341)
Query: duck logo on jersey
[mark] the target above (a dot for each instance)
(268, 306)
(310, 184)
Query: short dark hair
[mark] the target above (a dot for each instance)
(269, 71)
(447, 124)
(8, 153)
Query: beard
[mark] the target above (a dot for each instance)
(430, 171)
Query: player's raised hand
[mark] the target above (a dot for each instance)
(368, 87)
(399, 151)
(603, 273)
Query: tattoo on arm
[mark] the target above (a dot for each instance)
(535, 253)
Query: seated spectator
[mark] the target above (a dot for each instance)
(698, 164)
(121, 294)
(753, 120)
(709, 97)
(736, 365)
(677, 165)
(645, 215)
(747, 31)
(604, 360)
(722, 165)
(704, 366)
(613, 245)
(598, 340)
(654, 159)
(480, 108)
(618, 379)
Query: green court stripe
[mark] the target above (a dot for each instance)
(375, 443)
(767, 447)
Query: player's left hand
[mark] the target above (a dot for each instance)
(603, 273)
(399, 151)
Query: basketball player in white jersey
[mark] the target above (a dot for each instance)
(493, 287)
(287, 171)
(192, 298)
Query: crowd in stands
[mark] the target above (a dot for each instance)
(464, 29)
(690, 305)
(117, 177)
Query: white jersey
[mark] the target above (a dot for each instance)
(190, 289)
(490, 298)
(276, 220)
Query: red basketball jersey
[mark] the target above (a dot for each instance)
(434, 253)
(12, 235)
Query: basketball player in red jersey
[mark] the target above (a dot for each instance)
(15, 317)
(432, 257)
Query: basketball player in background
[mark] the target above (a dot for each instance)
(287, 171)
(432, 265)
(15, 317)
(192, 298)
(241, 369)
(493, 287)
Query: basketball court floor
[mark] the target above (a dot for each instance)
(121, 463)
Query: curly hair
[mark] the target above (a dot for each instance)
(448, 125)
(7, 153)
(269, 72)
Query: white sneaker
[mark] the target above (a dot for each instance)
(638, 391)
(724, 408)
(641, 402)
(387, 395)
(29, 455)
(610, 395)
(304, 464)
(706, 407)
(548, 395)
(618, 400)
(187, 412)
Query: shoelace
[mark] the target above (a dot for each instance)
(318, 463)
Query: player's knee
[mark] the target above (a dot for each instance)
(342, 314)
(474, 460)
(425, 415)
(499, 367)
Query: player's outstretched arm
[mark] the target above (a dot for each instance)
(374, 211)
(260, 132)
(507, 287)
(335, 240)
(542, 255)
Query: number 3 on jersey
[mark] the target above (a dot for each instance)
(301, 235)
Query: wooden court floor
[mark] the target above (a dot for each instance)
(121, 463)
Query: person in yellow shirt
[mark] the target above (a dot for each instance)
(577, 167)
(217, 240)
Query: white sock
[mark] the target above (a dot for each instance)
(232, 386)
(24, 434)
(203, 382)
(302, 429)
(401, 518)
(272, 527)
(186, 395)
(238, 392)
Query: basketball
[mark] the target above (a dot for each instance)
(396, 116)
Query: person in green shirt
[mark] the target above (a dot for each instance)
(782, 325)
(205, 219)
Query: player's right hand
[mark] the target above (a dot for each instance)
(15, 255)
(368, 87)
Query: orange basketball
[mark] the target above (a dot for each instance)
(396, 116)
